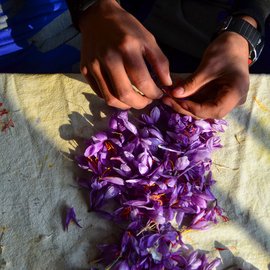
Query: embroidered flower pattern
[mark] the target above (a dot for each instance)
(5, 121)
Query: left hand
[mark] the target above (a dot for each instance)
(220, 83)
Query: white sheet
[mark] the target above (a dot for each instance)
(51, 112)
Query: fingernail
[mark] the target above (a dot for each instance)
(165, 93)
(84, 70)
(179, 91)
(169, 79)
(161, 95)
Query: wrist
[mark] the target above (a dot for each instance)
(246, 27)
(92, 8)
(238, 45)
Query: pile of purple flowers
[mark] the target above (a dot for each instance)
(157, 173)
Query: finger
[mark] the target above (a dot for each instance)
(192, 83)
(218, 108)
(140, 77)
(122, 86)
(103, 83)
(91, 81)
(176, 106)
(159, 64)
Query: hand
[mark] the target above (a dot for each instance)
(220, 83)
(115, 49)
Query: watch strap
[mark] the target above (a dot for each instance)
(245, 29)
(248, 31)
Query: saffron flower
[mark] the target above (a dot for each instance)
(157, 247)
(157, 173)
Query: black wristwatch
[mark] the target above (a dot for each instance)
(249, 32)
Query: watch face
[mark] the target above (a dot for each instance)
(226, 23)
(256, 51)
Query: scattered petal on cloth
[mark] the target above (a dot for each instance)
(70, 217)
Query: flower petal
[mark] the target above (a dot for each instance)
(114, 180)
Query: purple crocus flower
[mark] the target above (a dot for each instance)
(154, 173)
(156, 247)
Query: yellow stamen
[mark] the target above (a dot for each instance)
(106, 170)
(109, 146)
(157, 198)
(171, 163)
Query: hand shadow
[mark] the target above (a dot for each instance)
(82, 127)
(78, 131)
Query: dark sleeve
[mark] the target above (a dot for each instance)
(257, 9)
(73, 6)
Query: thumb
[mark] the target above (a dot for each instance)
(190, 85)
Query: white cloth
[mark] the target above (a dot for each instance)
(37, 173)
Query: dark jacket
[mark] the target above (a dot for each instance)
(258, 9)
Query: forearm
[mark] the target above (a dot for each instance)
(73, 7)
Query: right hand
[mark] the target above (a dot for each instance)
(115, 49)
